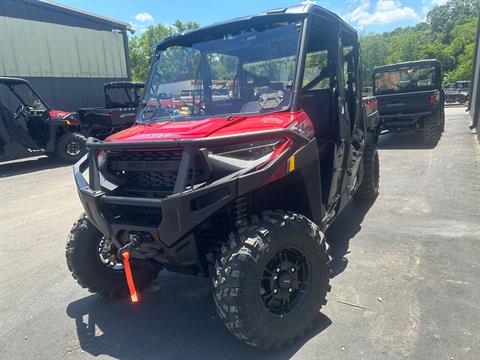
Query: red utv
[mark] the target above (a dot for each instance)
(242, 187)
(33, 128)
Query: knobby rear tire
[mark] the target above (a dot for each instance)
(431, 131)
(368, 189)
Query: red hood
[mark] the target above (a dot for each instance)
(207, 127)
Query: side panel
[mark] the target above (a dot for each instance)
(71, 94)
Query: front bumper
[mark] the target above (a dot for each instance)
(182, 211)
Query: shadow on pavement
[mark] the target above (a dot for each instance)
(29, 165)
(342, 230)
(399, 141)
(176, 319)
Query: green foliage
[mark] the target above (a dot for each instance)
(447, 35)
(142, 46)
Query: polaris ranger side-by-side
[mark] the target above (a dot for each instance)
(121, 102)
(411, 98)
(28, 127)
(243, 186)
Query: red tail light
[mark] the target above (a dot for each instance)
(434, 98)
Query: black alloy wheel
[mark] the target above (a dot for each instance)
(285, 282)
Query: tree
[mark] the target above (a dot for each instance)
(142, 46)
(444, 18)
(374, 53)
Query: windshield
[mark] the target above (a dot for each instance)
(405, 79)
(464, 85)
(28, 97)
(119, 97)
(247, 72)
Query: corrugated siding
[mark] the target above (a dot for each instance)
(70, 94)
(37, 49)
(39, 11)
(475, 86)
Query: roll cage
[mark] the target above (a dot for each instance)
(434, 63)
(305, 15)
(10, 82)
(134, 101)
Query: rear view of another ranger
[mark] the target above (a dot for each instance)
(411, 98)
(240, 184)
(121, 102)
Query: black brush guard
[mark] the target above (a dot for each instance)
(183, 209)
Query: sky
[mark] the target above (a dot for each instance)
(365, 15)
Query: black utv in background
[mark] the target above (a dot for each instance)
(28, 127)
(411, 98)
(121, 103)
(457, 92)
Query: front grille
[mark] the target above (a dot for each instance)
(152, 173)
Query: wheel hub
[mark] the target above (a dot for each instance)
(73, 149)
(284, 282)
(107, 255)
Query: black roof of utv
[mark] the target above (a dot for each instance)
(124, 84)
(275, 15)
(12, 80)
(408, 64)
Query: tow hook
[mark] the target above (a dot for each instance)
(124, 253)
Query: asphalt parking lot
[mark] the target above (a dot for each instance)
(406, 281)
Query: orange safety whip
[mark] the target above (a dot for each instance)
(128, 274)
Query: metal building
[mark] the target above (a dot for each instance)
(66, 54)
(474, 99)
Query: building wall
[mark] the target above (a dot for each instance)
(37, 49)
(67, 56)
(474, 102)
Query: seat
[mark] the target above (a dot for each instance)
(5, 116)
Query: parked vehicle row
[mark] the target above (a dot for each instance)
(238, 177)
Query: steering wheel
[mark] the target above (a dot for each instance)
(20, 110)
(272, 99)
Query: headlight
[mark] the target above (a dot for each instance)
(101, 158)
(248, 152)
(243, 156)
